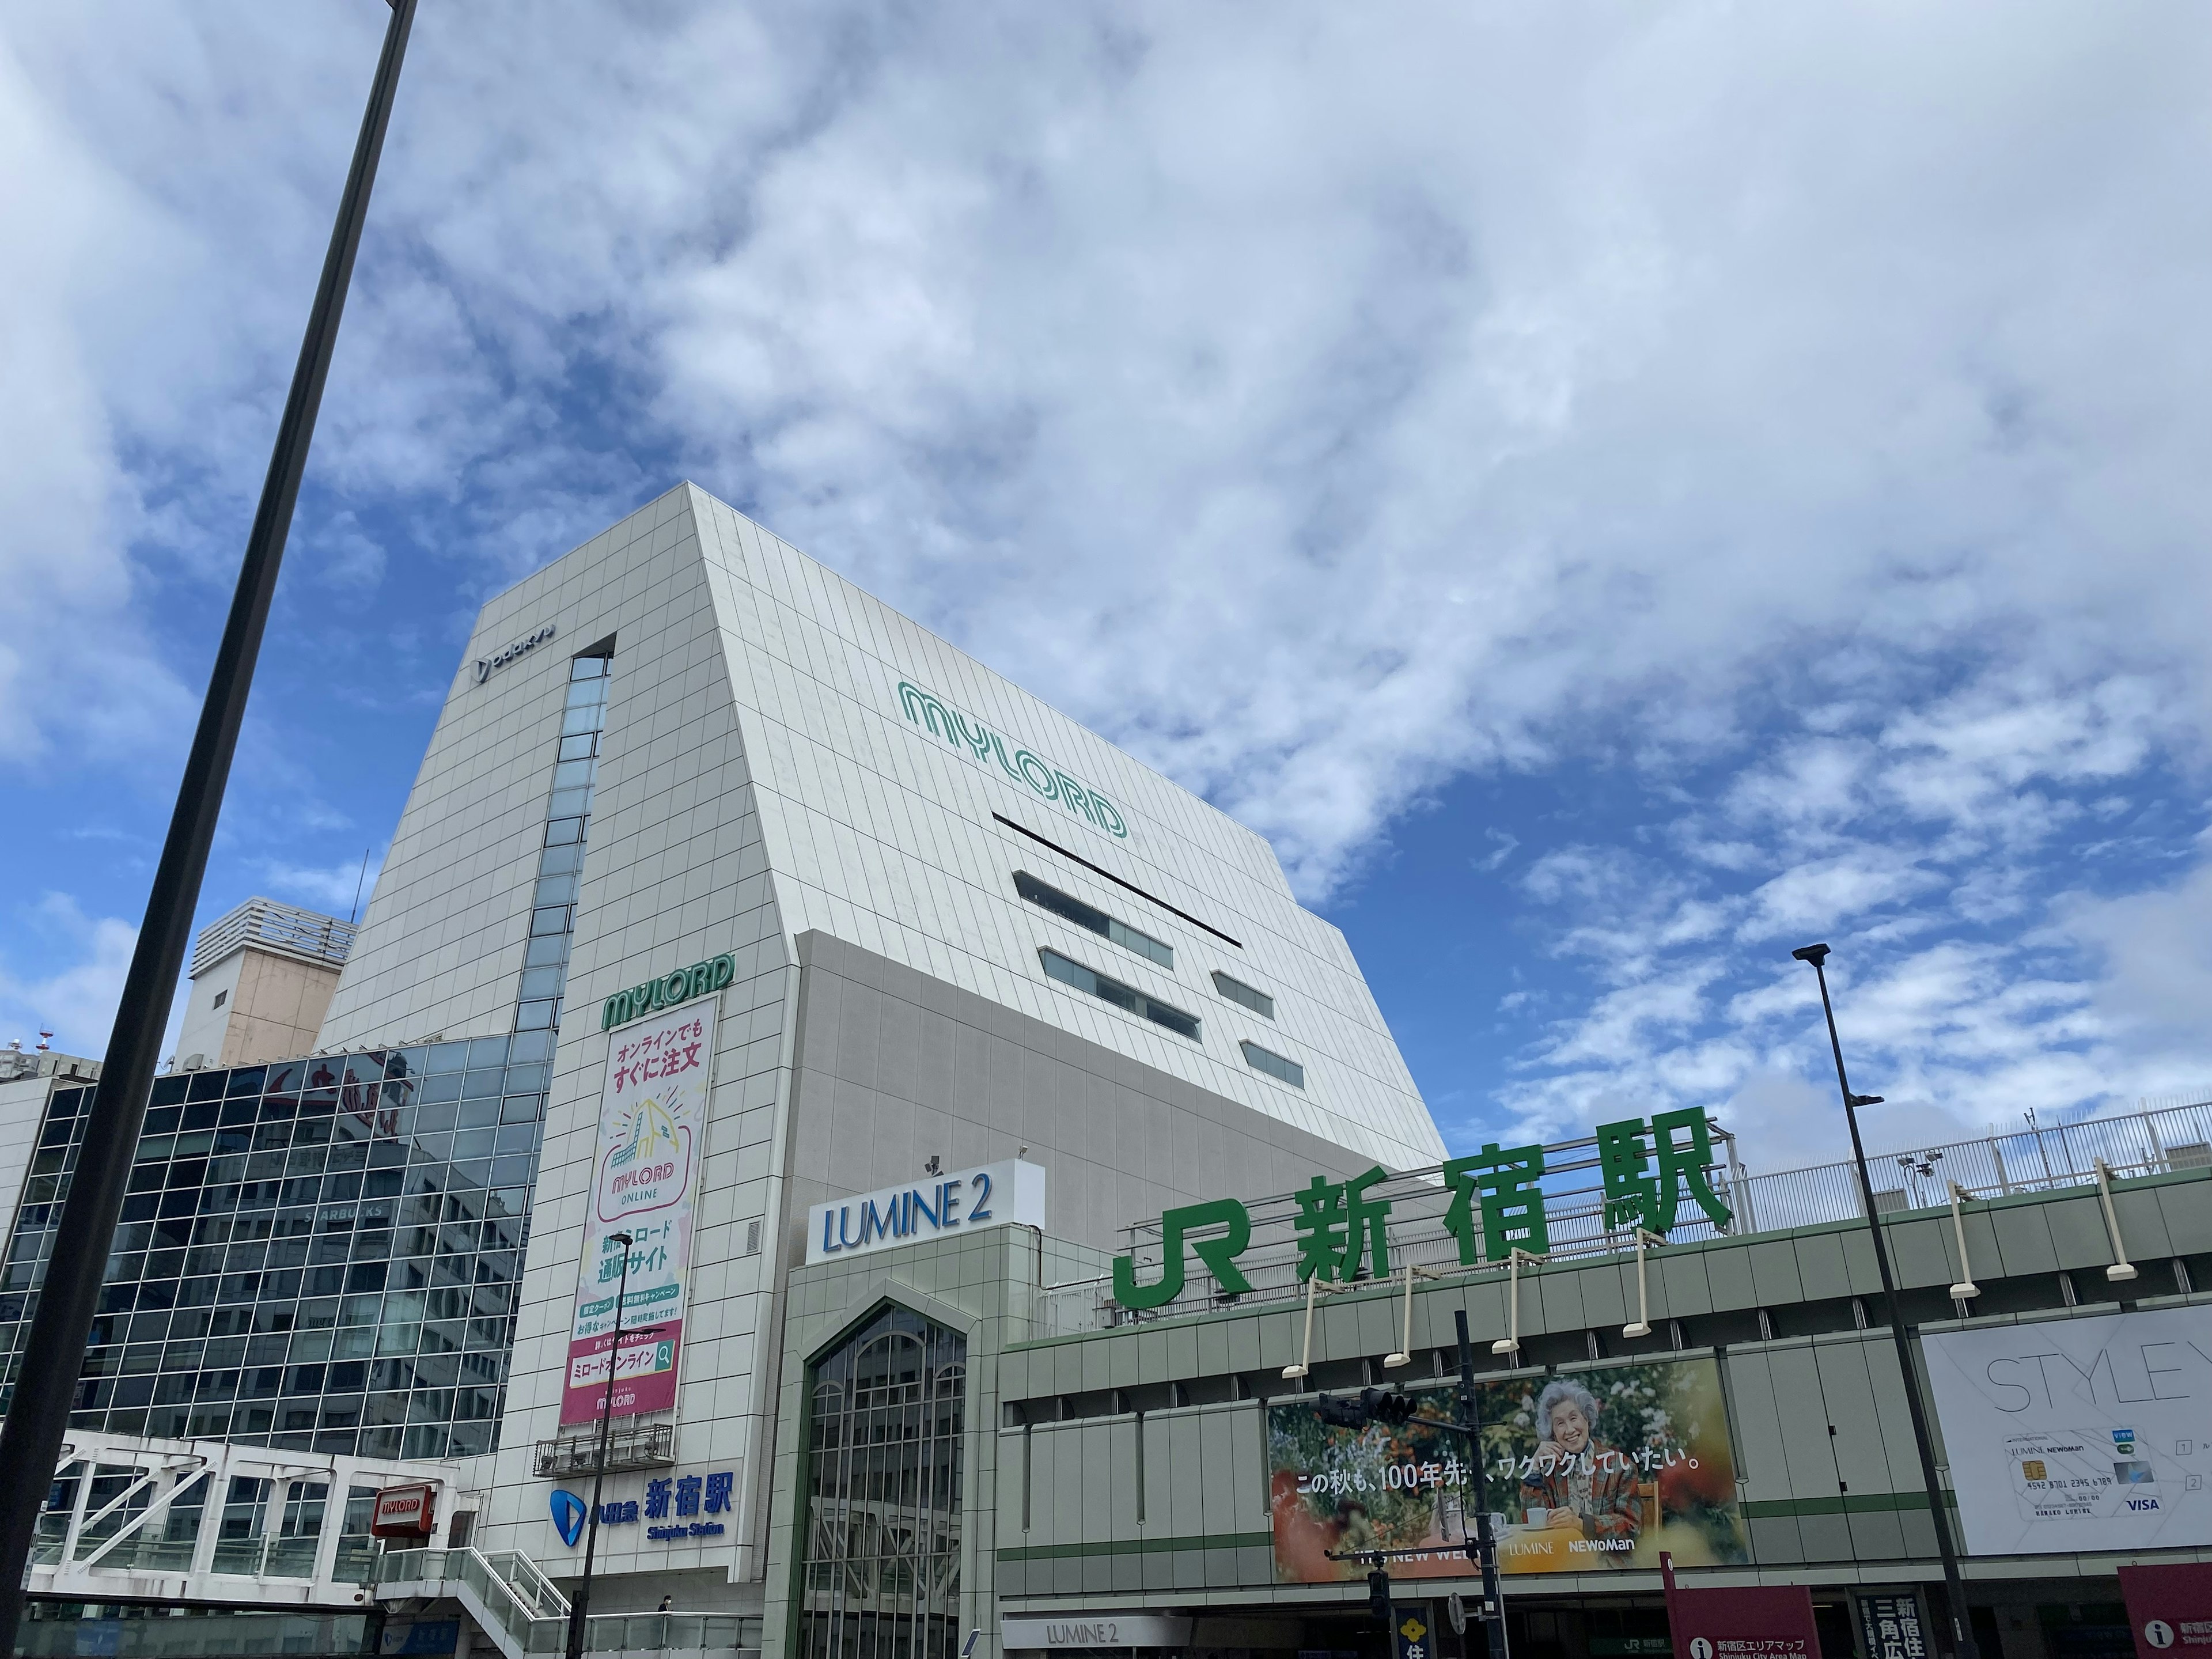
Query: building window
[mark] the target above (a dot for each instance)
(1068, 908)
(220, 997)
(883, 1455)
(561, 861)
(1121, 996)
(1239, 991)
(1266, 1060)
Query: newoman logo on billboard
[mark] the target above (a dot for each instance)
(931, 713)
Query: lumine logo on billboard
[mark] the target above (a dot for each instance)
(931, 714)
(679, 986)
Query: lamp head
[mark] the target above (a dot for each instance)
(1815, 954)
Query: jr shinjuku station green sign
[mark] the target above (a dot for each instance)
(1497, 1207)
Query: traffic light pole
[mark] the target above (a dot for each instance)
(1470, 1423)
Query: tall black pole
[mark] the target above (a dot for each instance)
(578, 1610)
(38, 1416)
(1955, 1592)
(1470, 1420)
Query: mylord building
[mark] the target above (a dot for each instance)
(954, 1163)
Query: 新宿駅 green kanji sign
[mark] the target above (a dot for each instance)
(1496, 1207)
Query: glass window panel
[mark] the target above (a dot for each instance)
(487, 1051)
(522, 1109)
(568, 804)
(535, 1016)
(561, 861)
(564, 832)
(588, 668)
(574, 773)
(541, 982)
(582, 747)
(555, 890)
(1264, 1060)
(549, 919)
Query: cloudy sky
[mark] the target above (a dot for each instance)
(1614, 491)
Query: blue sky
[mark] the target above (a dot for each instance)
(1614, 492)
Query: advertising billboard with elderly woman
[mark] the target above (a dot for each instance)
(1598, 1469)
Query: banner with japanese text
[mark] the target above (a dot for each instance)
(1598, 1469)
(645, 1173)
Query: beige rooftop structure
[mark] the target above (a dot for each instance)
(262, 977)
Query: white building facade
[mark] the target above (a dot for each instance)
(938, 925)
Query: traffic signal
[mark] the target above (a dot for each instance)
(1395, 1407)
(1378, 1596)
(1344, 1413)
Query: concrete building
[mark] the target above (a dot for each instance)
(907, 1119)
(262, 975)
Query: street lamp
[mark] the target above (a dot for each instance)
(37, 1416)
(1955, 1592)
(579, 1611)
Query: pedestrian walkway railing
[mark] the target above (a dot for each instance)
(524, 1613)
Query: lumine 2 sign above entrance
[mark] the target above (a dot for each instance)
(1497, 1208)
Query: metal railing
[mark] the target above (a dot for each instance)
(2150, 1141)
(533, 1613)
(282, 928)
(643, 1446)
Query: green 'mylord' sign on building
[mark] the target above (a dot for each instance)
(931, 714)
(1497, 1207)
(680, 986)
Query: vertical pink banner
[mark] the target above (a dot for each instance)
(652, 1118)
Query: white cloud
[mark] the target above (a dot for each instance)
(76, 1000)
(1321, 411)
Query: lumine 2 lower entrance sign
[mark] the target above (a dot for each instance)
(1497, 1208)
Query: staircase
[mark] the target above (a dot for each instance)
(522, 1613)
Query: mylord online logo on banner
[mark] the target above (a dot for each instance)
(930, 712)
(681, 986)
(1009, 1191)
(506, 654)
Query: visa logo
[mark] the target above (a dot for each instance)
(2143, 1502)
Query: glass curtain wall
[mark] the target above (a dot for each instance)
(883, 1460)
(560, 861)
(322, 1253)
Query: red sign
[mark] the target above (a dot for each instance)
(1760, 1621)
(405, 1512)
(2169, 1608)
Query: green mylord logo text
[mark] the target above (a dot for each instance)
(680, 986)
(965, 732)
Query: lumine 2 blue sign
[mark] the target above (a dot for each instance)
(986, 1196)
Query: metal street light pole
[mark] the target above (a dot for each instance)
(1955, 1592)
(579, 1611)
(1470, 1420)
(37, 1416)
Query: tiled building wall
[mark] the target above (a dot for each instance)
(675, 873)
(757, 781)
(895, 1066)
(885, 834)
